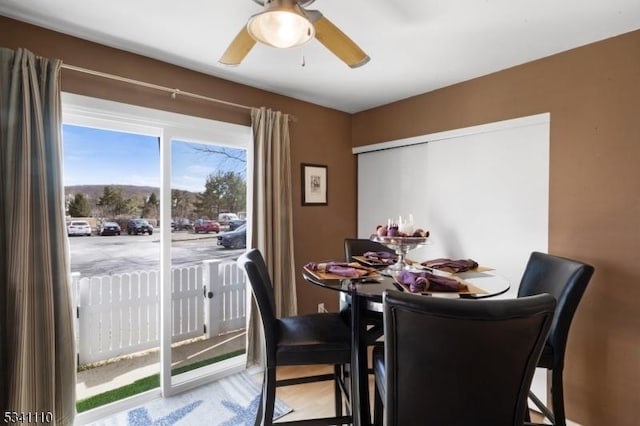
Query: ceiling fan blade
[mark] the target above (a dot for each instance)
(336, 41)
(238, 49)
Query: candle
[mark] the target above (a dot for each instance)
(406, 226)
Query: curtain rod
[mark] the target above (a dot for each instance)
(174, 92)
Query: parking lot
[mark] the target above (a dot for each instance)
(107, 255)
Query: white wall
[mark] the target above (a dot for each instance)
(482, 192)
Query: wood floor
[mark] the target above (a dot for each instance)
(308, 400)
(316, 399)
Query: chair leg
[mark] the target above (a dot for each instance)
(259, 420)
(337, 390)
(557, 397)
(268, 398)
(546, 412)
(378, 408)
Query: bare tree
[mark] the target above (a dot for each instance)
(181, 203)
(232, 159)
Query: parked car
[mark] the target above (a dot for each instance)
(139, 226)
(183, 224)
(235, 224)
(234, 239)
(226, 218)
(109, 228)
(206, 226)
(78, 227)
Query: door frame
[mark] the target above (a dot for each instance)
(167, 126)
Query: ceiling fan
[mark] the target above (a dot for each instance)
(286, 23)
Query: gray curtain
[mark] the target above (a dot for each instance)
(272, 221)
(37, 358)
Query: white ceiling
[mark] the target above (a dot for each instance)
(415, 46)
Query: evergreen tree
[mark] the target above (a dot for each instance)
(180, 203)
(113, 203)
(206, 203)
(234, 197)
(224, 192)
(79, 206)
(150, 207)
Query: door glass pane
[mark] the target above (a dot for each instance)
(208, 205)
(111, 196)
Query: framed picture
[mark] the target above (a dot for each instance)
(314, 185)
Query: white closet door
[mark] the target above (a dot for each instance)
(482, 192)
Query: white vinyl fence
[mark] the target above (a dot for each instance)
(119, 314)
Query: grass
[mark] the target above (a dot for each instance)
(145, 384)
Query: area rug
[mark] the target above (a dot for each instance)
(232, 401)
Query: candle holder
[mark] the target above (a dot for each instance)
(401, 245)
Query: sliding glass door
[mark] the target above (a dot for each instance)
(171, 188)
(111, 177)
(208, 192)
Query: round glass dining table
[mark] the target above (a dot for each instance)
(366, 294)
(371, 289)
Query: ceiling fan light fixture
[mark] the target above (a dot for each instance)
(282, 24)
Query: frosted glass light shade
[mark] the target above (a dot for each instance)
(281, 28)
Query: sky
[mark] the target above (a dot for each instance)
(106, 157)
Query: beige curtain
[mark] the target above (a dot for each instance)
(272, 221)
(37, 357)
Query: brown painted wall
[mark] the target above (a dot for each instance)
(320, 135)
(593, 95)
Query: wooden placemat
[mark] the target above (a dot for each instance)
(329, 276)
(471, 289)
(417, 264)
(481, 269)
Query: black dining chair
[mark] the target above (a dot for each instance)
(359, 246)
(566, 280)
(313, 339)
(458, 362)
(373, 315)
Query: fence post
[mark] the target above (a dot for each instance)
(212, 316)
(75, 304)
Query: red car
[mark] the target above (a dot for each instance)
(206, 226)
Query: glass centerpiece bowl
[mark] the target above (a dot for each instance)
(401, 245)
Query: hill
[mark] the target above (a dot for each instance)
(93, 192)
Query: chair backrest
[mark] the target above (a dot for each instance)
(254, 265)
(564, 279)
(359, 246)
(460, 362)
